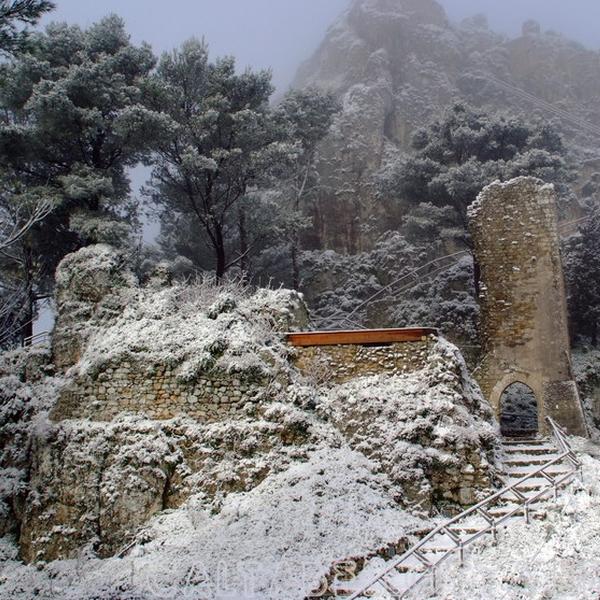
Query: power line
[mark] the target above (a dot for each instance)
(559, 112)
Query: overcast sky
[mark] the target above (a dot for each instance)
(282, 33)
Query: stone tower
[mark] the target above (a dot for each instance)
(523, 302)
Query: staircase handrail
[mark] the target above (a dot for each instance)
(38, 338)
(524, 502)
(562, 441)
(455, 259)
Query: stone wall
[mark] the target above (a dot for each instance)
(523, 303)
(342, 363)
(156, 392)
(93, 286)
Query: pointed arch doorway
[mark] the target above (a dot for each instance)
(518, 411)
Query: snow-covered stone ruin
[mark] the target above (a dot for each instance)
(169, 411)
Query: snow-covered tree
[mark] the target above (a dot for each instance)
(23, 210)
(15, 16)
(74, 119)
(225, 141)
(582, 270)
(457, 155)
(309, 113)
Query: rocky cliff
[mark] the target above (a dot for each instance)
(396, 63)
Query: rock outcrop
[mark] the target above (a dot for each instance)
(138, 425)
(93, 286)
(397, 63)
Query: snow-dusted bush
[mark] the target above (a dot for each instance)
(199, 327)
(586, 365)
(393, 285)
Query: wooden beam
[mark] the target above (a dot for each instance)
(359, 337)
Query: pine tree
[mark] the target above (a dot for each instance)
(309, 113)
(457, 155)
(15, 15)
(74, 119)
(225, 143)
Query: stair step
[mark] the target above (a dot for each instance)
(410, 569)
(531, 480)
(523, 461)
(466, 530)
(502, 511)
(389, 588)
(522, 470)
(525, 442)
(436, 549)
(529, 450)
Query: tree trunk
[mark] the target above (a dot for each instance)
(243, 233)
(27, 329)
(295, 265)
(26, 332)
(219, 245)
(295, 244)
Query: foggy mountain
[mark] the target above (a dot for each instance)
(396, 64)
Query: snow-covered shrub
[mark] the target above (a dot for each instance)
(387, 287)
(586, 365)
(200, 327)
(445, 300)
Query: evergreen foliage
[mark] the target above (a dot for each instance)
(582, 266)
(15, 15)
(223, 143)
(309, 113)
(464, 150)
(74, 119)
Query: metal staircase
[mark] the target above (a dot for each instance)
(535, 470)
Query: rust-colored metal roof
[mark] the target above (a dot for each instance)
(359, 337)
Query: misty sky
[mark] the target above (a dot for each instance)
(282, 33)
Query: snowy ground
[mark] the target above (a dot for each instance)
(271, 543)
(554, 559)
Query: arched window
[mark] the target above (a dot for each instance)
(518, 411)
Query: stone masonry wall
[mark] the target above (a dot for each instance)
(342, 363)
(523, 303)
(156, 392)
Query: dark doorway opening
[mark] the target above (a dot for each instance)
(518, 411)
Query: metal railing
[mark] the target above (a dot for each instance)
(417, 275)
(39, 338)
(511, 493)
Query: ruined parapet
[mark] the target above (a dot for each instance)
(523, 302)
(340, 356)
(93, 286)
